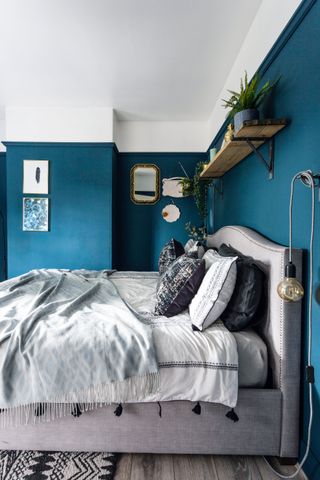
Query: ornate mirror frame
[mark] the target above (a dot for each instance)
(156, 169)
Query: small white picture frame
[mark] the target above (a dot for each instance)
(172, 187)
(36, 177)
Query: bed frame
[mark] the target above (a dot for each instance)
(268, 418)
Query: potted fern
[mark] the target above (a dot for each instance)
(245, 103)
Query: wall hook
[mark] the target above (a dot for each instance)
(316, 177)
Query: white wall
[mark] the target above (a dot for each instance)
(102, 125)
(2, 128)
(271, 19)
(161, 136)
(59, 124)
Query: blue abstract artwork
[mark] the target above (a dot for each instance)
(35, 214)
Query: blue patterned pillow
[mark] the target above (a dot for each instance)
(170, 252)
(178, 285)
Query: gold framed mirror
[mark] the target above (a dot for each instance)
(145, 183)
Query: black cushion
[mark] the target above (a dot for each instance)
(170, 252)
(178, 285)
(244, 307)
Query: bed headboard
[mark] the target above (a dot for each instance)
(281, 328)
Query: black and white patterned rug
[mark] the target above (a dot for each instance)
(25, 465)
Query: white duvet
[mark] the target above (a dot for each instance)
(195, 366)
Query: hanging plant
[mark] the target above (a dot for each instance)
(187, 186)
(197, 187)
(200, 189)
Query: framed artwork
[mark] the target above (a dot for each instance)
(36, 176)
(35, 214)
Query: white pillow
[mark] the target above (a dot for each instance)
(215, 290)
(193, 246)
(190, 243)
(209, 257)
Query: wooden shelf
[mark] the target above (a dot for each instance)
(257, 132)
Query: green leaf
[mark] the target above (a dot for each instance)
(249, 96)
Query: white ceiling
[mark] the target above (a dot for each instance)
(148, 59)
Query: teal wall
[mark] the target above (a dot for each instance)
(81, 203)
(142, 232)
(82, 198)
(3, 209)
(251, 199)
(93, 222)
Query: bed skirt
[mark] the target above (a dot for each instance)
(140, 429)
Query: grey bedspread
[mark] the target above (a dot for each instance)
(68, 337)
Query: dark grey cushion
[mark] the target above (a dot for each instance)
(247, 298)
(170, 252)
(178, 285)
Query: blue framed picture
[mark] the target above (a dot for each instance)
(35, 214)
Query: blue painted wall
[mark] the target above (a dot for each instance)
(87, 183)
(81, 203)
(93, 222)
(142, 232)
(3, 210)
(251, 199)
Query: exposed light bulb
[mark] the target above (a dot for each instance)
(290, 289)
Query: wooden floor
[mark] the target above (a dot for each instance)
(196, 467)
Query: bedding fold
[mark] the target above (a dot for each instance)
(68, 337)
(76, 340)
(195, 366)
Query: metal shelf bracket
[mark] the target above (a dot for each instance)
(268, 165)
(217, 185)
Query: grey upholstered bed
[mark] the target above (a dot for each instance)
(268, 417)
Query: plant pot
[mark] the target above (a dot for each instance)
(186, 186)
(244, 115)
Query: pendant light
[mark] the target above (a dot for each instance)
(289, 289)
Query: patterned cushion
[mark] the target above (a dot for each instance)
(170, 252)
(178, 285)
(215, 290)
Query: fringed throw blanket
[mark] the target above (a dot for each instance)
(68, 338)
